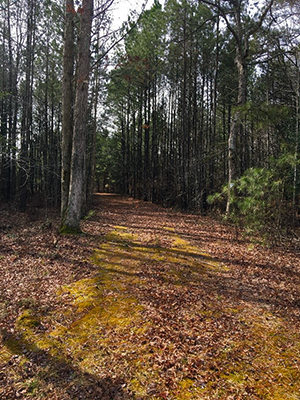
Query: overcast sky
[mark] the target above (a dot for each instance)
(122, 8)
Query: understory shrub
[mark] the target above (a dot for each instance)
(261, 199)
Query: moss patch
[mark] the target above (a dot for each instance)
(142, 318)
(69, 230)
(6, 352)
(27, 320)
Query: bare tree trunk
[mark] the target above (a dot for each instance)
(26, 123)
(77, 192)
(67, 104)
(241, 34)
(236, 126)
(242, 49)
(296, 150)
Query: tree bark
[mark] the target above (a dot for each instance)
(236, 126)
(67, 104)
(26, 123)
(77, 192)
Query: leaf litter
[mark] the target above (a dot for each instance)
(149, 303)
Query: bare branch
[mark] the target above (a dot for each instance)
(120, 39)
(258, 25)
(107, 5)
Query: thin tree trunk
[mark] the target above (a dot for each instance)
(146, 142)
(91, 178)
(26, 123)
(297, 143)
(236, 126)
(11, 132)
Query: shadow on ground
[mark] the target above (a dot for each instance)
(50, 374)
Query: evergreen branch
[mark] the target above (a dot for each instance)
(196, 30)
(120, 39)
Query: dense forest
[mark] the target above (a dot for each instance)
(190, 104)
(149, 200)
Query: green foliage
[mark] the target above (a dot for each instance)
(108, 162)
(260, 197)
(4, 94)
(90, 215)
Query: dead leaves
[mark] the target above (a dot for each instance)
(169, 321)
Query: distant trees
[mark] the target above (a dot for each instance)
(42, 108)
(202, 94)
(9, 104)
(242, 27)
(30, 101)
(25, 159)
(161, 104)
(174, 122)
(197, 102)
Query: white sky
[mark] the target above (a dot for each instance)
(122, 8)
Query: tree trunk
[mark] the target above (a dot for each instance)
(296, 149)
(77, 192)
(67, 104)
(236, 125)
(26, 123)
(242, 49)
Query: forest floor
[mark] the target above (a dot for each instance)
(147, 303)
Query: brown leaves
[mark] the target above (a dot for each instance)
(169, 320)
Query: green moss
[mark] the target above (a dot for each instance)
(27, 320)
(138, 387)
(89, 215)
(69, 230)
(101, 303)
(236, 377)
(188, 389)
(265, 361)
(186, 383)
(118, 236)
(122, 228)
(6, 352)
(27, 302)
(85, 293)
(167, 228)
(105, 326)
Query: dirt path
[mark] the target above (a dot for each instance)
(148, 304)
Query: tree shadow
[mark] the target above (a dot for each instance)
(210, 274)
(267, 285)
(60, 374)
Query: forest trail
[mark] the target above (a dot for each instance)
(149, 303)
